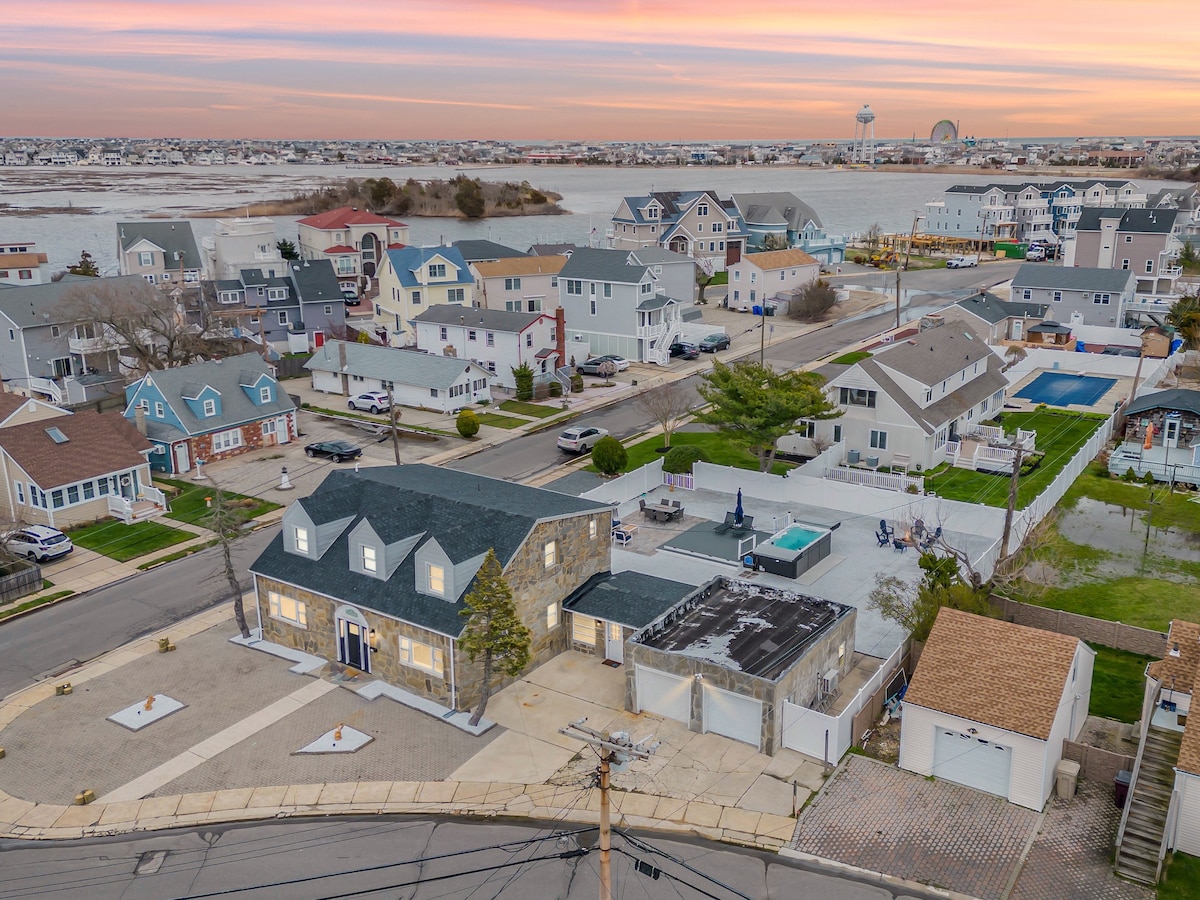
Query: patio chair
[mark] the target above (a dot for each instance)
(747, 524)
(675, 513)
(676, 504)
(647, 512)
(883, 539)
(730, 521)
(899, 546)
(621, 536)
(931, 538)
(883, 527)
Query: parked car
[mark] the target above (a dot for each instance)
(1035, 254)
(580, 438)
(375, 401)
(962, 262)
(334, 450)
(715, 342)
(592, 366)
(39, 542)
(684, 349)
(351, 297)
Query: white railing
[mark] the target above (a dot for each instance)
(995, 455)
(46, 386)
(120, 508)
(888, 481)
(952, 448)
(685, 480)
(629, 485)
(1026, 440)
(154, 495)
(989, 433)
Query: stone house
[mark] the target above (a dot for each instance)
(372, 569)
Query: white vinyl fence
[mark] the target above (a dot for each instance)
(889, 481)
(630, 485)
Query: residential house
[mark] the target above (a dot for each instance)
(1147, 242)
(1076, 295)
(485, 251)
(997, 320)
(990, 704)
(552, 250)
(419, 380)
(21, 264)
(305, 299)
(695, 223)
(373, 567)
(211, 410)
(413, 279)
(494, 339)
(244, 243)
(1162, 437)
(44, 352)
(63, 469)
(614, 306)
(1162, 810)
(784, 215)
(1186, 201)
(353, 240)
(163, 253)
(527, 284)
(674, 273)
(758, 277)
(904, 405)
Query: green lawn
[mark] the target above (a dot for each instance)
(124, 542)
(717, 447)
(849, 359)
(1167, 509)
(1059, 436)
(1145, 602)
(1117, 684)
(191, 503)
(528, 409)
(498, 421)
(1182, 879)
(719, 278)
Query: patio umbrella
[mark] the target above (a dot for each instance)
(738, 512)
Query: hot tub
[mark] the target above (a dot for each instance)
(793, 551)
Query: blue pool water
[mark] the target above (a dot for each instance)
(796, 537)
(1065, 389)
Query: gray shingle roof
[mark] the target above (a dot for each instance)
(1176, 399)
(479, 251)
(41, 304)
(488, 319)
(775, 208)
(602, 265)
(1133, 221)
(1072, 278)
(388, 364)
(934, 355)
(173, 237)
(467, 514)
(630, 598)
(993, 309)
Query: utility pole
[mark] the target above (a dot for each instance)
(615, 748)
(907, 256)
(1014, 484)
(394, 419)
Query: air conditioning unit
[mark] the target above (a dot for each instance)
(829, 681)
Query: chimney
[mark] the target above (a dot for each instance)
(560, 334)
(139, 420)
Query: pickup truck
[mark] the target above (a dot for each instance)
(962, 262)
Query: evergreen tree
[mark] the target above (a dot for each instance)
(86, 266)
(494, 631)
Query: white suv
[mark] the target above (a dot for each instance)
(39, 542)
(580, 439)
(375, 401)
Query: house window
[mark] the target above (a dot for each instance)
(437, 270)
(583, 630)
(529, 340)
(552, 615)
(436, 577)
(856, 397)
(89, 490)
(592, 529)
(1056, 296)
(159, 409)
(456, 295)
(1125, 264)
(416, 298)
(607, 289)
(806, 428)
(368, 559)
(329, 310)
(837, 434)
(145, 259)
(283, 319)
(433, 392)
(1101, 299)
(149, 279)
(878, 440)
(102, 486)
(533, 305)
(54, 331)
(1129, 238)
(575, 286)
(512, 305)
(442, 333)
(12, 335)
(1149, 267)
(512, 284)
(269, 427)
(471, 335)
(287, 609)
(699, 227)
(56, 499)
(26, 274)
(264, 394)
(210, 408)
(421, 656)
(227, 440)
(702, 209)
(737, 274)
(276, 293)
(1027, 294)
(929, 396)
(20, 489)
(550, 554)
(490, 339)
(592, 307)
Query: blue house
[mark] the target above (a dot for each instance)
(209, 411)
(784, 215)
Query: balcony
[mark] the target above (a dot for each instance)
(88, 345)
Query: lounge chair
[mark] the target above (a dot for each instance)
(747, 524)
(730, 521)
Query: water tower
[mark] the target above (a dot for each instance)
(863, 148)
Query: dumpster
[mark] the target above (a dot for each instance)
(1121, 788)
(1066, 778)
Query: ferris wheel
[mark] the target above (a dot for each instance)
(944, 132)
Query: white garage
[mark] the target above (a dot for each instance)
(991, 703)
(669, 696)
(972, 761)
(733, 715)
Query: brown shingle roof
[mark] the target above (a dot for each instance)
(19, 260)
(521, 265)
(780, 259)
(10, 403)
(990, 671)
(97, 444)
(1179, 673)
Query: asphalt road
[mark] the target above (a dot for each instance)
(59, 637)
(416, 859)
(534, 454)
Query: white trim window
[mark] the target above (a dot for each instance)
(287, 609)
(436, 579)
(552, 616)
(367, 557)
(878, 440)
(550, 554)
(592, 530)
(269, 427)
(300, 539)
(145, 258)
(264, 394)
(227, 440)
(422, 656)
(210, 408)
(20, 489)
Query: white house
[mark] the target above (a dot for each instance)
(991, 703)
(419, 380)
(494, 339)
(907, 402)
(757, 277)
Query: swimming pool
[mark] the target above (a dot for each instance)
(1066, 389)
(793, 551)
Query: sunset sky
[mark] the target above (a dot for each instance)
(596, 70)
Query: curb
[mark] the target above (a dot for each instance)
(833, 866)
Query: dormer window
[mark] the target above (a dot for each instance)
(300, 539)
(367, 556)
(264, 394)
(210, 408)
(436, 578)
(437, 270)
(551, 554)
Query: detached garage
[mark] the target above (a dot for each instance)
(991, 703)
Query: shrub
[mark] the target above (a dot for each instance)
(576, 383)
(1148, 478)
(1129, 475)
(467, 424)
(679, 460)
(523, 375)
(609, 455)
(555, 389)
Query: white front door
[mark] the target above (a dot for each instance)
(182, 462)
(972, 761)
(281, 430)
(614, 642)
(1171, 432)
(1018, 326)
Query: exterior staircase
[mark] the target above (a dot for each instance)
(965, 459)
(1144, 820)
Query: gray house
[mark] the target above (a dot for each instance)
(307, 300)
(1076, 296)
(161, 252)
(674, 272)
(45, 354)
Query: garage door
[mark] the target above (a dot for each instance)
(667, 695)
(733, 715)
(972, 761)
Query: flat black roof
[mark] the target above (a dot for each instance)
(746, 627)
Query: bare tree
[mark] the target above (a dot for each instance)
(668, 405)
(225, 521)
(146, 324)
(813, 300)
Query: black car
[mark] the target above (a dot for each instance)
(334, 450)
(684, 349)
